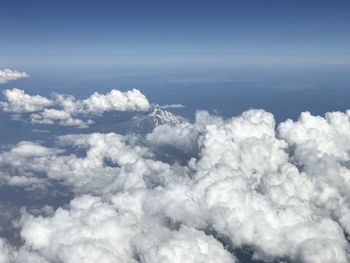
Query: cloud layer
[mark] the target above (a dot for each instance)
(281, 191)
(66, 110)
(8, 74)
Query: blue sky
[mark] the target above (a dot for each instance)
(142, 34)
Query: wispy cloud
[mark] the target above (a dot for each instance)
(8, 74)
(171, 106)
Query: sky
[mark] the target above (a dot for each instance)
(78, 35)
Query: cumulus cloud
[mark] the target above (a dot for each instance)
(123, 164)
(281, 191)
(267, 186)
(115, 100)
(118, 231)
(14, 163)
(8, 74)
(188, 245)
(64, 109)
(17, 101)
(26, 148)
(182, 136)
(5, 252)
(97, 103)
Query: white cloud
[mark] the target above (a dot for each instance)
(63, 118)
(284, 192)
(17, 101)
(329, 135)
(171, 106)
(248, 187)
(8, 74)
(183, 136)
(129, 165)
(118, 231)
(64, 109)
(5, 252)
(97, 103)
(19, 160)
(26, 148)
(115, 100)
(90, 231)
(186, 246)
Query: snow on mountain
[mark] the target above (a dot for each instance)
(147, 122)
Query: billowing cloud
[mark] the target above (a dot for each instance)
(115, 100)
(97, 103)
(17, 101)
(8, 74)
(188, 245)
(5, 252)
(66, 110)
(118, 231)
(123, 164)
(267, 186)
(14, 163)
(282, 191)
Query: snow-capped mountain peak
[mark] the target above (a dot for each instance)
(161, 116)
(157, 116)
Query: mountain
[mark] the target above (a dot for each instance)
(146, 122)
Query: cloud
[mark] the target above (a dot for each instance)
(117, 231)
(329, 135)
(171, 106)
(16, 164)
(26, 148)
(257, 187)
(115, 100)
(63, 118)
(65, 109)
(123, 164)
(182, 136)
(5, 252)
(17, 101)
(281, 191)
(8, 74)
(188, 245)
(91, 230)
